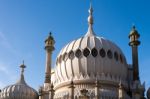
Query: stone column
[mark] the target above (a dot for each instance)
(97, 90)
(40, 93)
(121, 91)
(49, 47)
(71, 96)
(52, 92)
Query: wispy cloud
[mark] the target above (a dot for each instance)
(6, 73)
(7, 76)
(4, 69)
(5, 43)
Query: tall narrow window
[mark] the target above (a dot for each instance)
(78, 53)
(86, 52)
(121, 59)
(102, 52)
(116, 56)
(94, 52)
(109, 54)
(71, 55)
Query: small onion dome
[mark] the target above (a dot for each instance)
(49, 43)
(19, 90)
(148, 93)
(134, 32)
(50, 37)
(134, 37)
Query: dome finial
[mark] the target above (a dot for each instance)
(90, 18)
(50, 34)
(21, 80)
(90, 21)
(133, 26)
(22, 68)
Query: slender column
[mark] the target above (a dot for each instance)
(97, 90)
(134, 43)
(48, 66)
(52, 92)
(135, 63)
(40, 97)
(121, 91)
(71, 90)
(40, 93)
(49, 47)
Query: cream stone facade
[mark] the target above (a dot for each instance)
(90, 67)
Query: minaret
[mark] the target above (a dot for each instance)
(49, 47)
(134, 43)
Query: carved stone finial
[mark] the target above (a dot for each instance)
(21, 80)
(22, 67)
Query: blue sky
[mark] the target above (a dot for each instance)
(24, 25)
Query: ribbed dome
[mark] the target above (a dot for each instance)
(148, 93)
(90, 57)
(20, 90)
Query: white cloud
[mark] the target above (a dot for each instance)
(3, 69)
(6, 75)
(3, 41)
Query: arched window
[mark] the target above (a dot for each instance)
(109, 54)
(86, 52)
(65, 56)
(116, 56)
(78, 53)
(121, 58)
(102, 52)
(71, 55)
(94, 52)
(60, 58)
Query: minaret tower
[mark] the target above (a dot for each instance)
(49, 47)
(134, 43)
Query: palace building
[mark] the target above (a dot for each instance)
(90, 67)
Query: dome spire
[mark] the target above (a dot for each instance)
(90, 18)
(90, 21)
(21, 80)
(22, 68)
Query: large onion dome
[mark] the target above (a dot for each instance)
(90, 57)
(19, 90)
